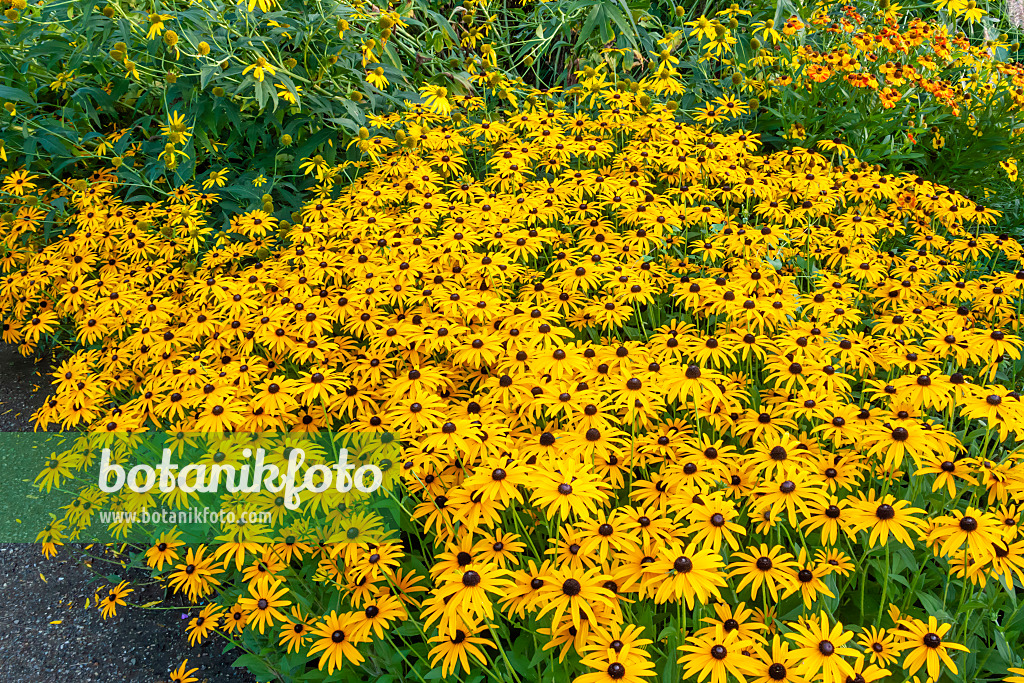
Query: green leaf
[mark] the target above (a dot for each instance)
(1003, 647)
(933, 606)
(624, 25)
(588, 25)
(206, 74)
(9, 93)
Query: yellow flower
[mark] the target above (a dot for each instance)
(176, 131)
(376, 78)
(259, 181)
(265, 5)
(285, 94)
(62, 80)
(217, 178)
(315, 166)
(436, 98)
(259, 68)
(156, 25)
(19, 182)
(180, 675)
(1010, 167)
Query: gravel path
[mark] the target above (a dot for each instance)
(137, 646)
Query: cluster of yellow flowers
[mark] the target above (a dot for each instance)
(629, 362)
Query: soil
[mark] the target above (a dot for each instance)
(46, 634)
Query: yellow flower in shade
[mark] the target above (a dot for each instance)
(62, 81)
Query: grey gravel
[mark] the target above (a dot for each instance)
(136, 646)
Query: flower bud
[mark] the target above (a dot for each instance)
(108, 11)
(171, 38)
(204, 48)
(116, 162)
(363, 133)
(286, 140)
(218, 91)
